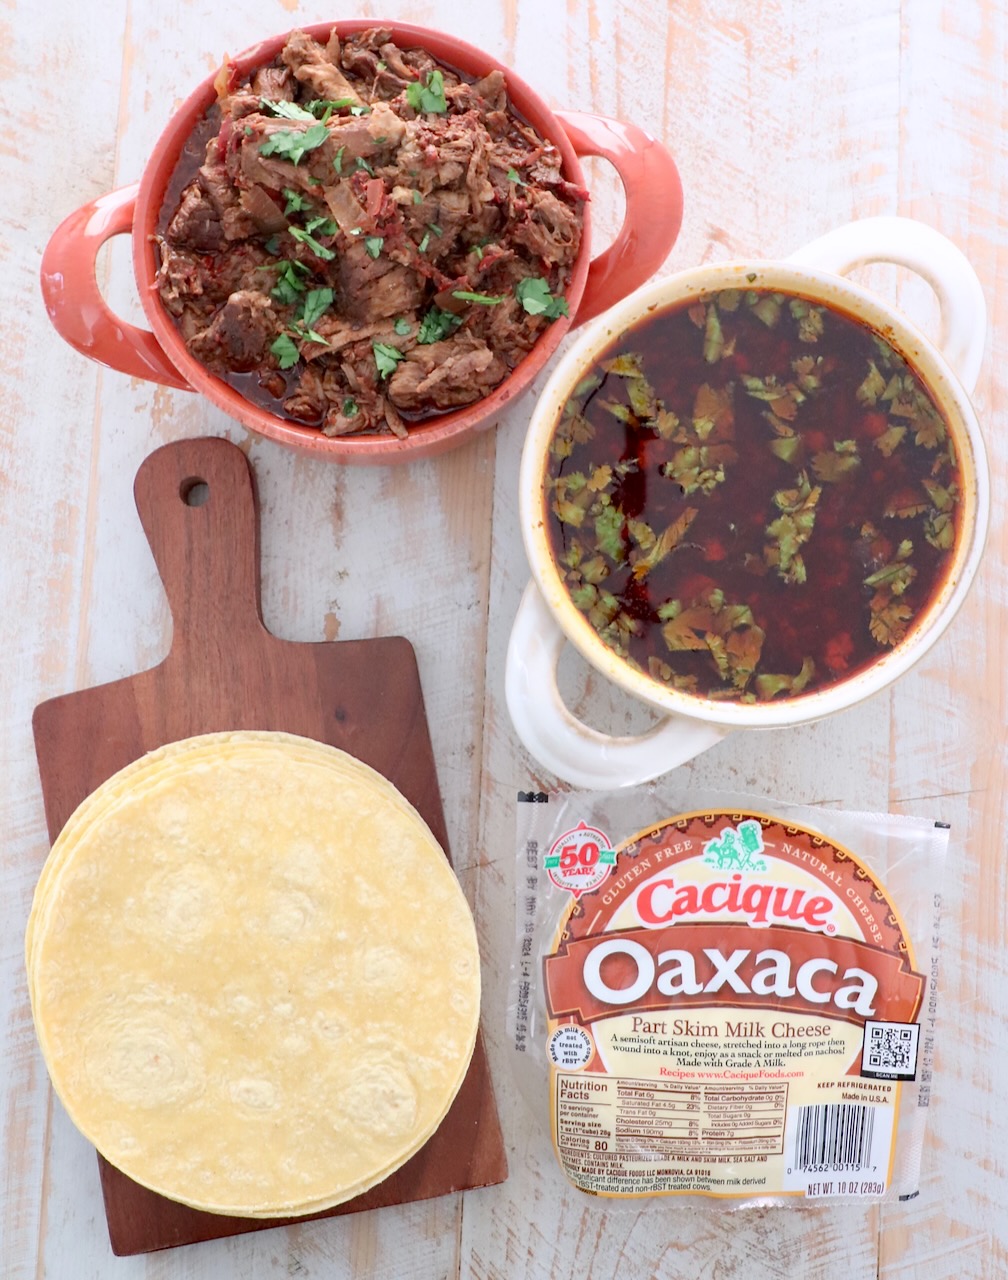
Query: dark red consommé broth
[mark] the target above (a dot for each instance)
(752, 496)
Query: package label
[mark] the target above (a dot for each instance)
(731, 1009)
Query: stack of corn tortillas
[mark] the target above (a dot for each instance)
(254, 976)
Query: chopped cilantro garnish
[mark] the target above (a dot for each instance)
(373, 244)
(293, 146)
(386, 358)
(319, 250)
(514, 176)
(337, 163)
(422, 246)
(285, 110)
(296, 203)
(437, 324)
(361, 163)
(433, 226)
(288, 287)
(325, 226)
(308, 335)
(402, 327)
(484, 299)
(322, 108)
(429, 97)
(316, 302)
(534, 294)
(361, 110)
(417, 198)
(285, 351)
(350, 407)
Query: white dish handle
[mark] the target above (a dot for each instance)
(908, 243)
(574, 751)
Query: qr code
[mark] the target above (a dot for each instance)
(889, 1051)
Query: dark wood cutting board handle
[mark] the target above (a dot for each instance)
(197, 504)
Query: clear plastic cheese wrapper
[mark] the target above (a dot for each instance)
(726, 997)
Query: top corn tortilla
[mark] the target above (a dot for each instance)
(254, 976)
(162, 762)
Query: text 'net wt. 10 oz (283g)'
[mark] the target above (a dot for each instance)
(727, 997)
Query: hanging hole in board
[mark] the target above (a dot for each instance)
(194, 492)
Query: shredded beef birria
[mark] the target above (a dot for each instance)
(370, 240)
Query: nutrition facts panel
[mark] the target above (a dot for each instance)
(617, 1119)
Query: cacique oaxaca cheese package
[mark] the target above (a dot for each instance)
(726, 997)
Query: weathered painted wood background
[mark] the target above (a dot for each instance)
(787, 117)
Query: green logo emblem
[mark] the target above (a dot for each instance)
(736, 848)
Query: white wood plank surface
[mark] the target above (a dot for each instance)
(786, 117)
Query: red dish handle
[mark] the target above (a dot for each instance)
(74, 302)
(654, 206)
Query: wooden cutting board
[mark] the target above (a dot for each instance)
(197, 503)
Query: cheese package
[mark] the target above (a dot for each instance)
(727, 997)
(253, 973)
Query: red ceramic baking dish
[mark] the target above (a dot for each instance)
(653, 197)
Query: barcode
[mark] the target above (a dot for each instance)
(836, 1137)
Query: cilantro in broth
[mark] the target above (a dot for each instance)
(751, 496)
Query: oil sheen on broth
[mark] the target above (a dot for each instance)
(752, 496)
